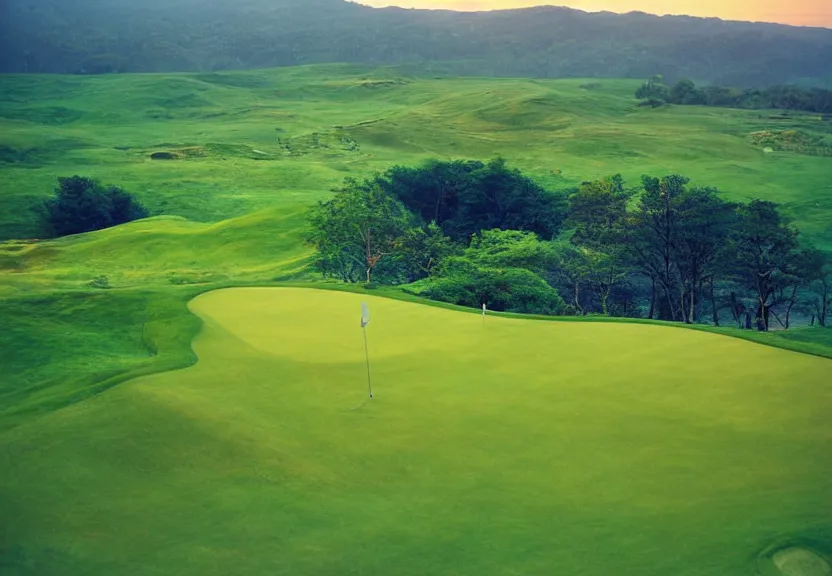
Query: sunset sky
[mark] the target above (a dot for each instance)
(798, 12)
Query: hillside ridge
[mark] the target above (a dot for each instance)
(90, 37)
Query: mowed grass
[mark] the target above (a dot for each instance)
(64, 340)
(499, 447)
(277, 138)
(514, 447)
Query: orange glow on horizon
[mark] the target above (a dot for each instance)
(796, 12)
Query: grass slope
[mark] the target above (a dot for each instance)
(505, 447)
(63, 340)
(276, 138)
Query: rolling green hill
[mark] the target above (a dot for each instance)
(496, 447)
(251, 140)
(252, 149)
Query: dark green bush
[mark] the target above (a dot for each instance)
(83, 205)
(501, 289)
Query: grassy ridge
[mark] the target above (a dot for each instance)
(509, 446)
(64, 340)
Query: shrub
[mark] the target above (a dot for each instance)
(501, 289)
(100, 282)
(83, 205)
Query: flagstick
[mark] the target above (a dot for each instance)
(367, 355)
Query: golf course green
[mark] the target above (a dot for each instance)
(495, 446)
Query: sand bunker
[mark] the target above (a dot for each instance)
(801, 562)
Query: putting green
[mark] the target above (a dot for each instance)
(498, 447)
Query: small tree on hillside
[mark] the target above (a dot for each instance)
(83, 205)
(653, 92)
(361, 227)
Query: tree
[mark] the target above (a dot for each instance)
(651, 235)
(83, 205)
(705, 224)
(818, 268)
(431, 190)
(684, 92)
(421, 249)
(361, 227)
(466, 283)
(511, 249)
(464, 197)
(764, 244)
(796, 275)
(654, 91)
(597, 212)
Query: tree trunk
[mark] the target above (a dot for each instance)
(735, 310)
(652, 300)
(789, 307)
(692, 305)
(763, 317)
(669, 297)
(713, 304)
(578, 308)
(369, 271)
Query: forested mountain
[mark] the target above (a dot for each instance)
(103, 36)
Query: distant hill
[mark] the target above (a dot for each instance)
(104, 36)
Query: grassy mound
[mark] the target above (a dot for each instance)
(510, 446)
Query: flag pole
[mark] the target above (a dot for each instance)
(365, 319)
(367, 355)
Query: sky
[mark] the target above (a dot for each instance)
(796, 12)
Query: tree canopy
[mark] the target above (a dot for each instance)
(83, 205)
(464, 197)
(779, 97)
(474, 233)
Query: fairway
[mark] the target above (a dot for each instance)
(502, 446)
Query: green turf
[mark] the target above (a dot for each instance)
(505, 447)
(226, 128)
(156, 475)
(234, 200)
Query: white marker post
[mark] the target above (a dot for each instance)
(483, 312)
(365, 319)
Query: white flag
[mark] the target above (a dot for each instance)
(365, 314)
(483, 310)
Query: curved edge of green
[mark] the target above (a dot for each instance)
(170, 342)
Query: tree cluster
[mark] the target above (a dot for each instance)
(83, 205)
(475, 233)
(654, 92)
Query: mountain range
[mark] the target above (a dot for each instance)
(110, 36)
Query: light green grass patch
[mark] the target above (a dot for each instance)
(504, 447)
